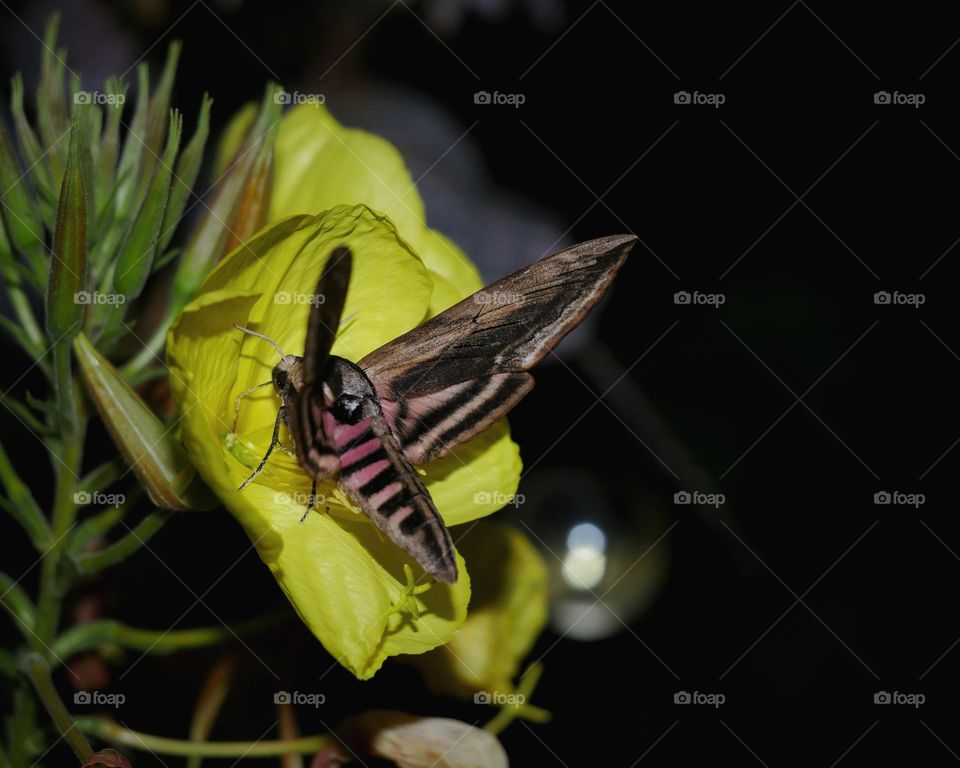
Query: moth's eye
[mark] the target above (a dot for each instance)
(280, 378)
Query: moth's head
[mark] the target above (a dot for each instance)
(288, 374)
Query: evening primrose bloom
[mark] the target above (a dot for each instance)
(347, 583)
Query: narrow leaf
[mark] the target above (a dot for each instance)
(188, 168)
(68, 270)
(136, 257)
(150, 448)
(52, 107)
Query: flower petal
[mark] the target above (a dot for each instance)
(508, 612)
(422, 742)
(322, 164)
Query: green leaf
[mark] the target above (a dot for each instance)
(29, 144)
(109, 146)
(134, 145)
(17, 603)
(26, 510)
(160, 103)
(136, 257)
(19, 209)
(51, 103)
(150, 448)
(188, 168)
(68, 270)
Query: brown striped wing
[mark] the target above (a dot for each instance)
(448, 379)
(378, 477)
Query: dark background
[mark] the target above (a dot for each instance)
(708, 191)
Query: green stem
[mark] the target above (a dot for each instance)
(39, 672)
(160, 745)
(510, 712)
(139, 535)
(64, 506)
(84, 637)
(4, 760)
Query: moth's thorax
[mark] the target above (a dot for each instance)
(288, 376)
(347, 392)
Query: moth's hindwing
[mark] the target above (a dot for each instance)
(377, 477)
(429, 426)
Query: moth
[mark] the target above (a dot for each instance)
(419, 396)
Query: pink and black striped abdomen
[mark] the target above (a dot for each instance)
(378, 477)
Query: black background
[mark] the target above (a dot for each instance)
(708, 191)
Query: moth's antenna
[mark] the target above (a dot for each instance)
(345, 322)
(261, 336)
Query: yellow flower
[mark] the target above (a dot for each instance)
(342, 578)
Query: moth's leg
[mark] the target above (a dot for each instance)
(281, 414)
(312, 501)
(236, 403)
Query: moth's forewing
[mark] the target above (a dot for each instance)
(448, 379)
(378, 477)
